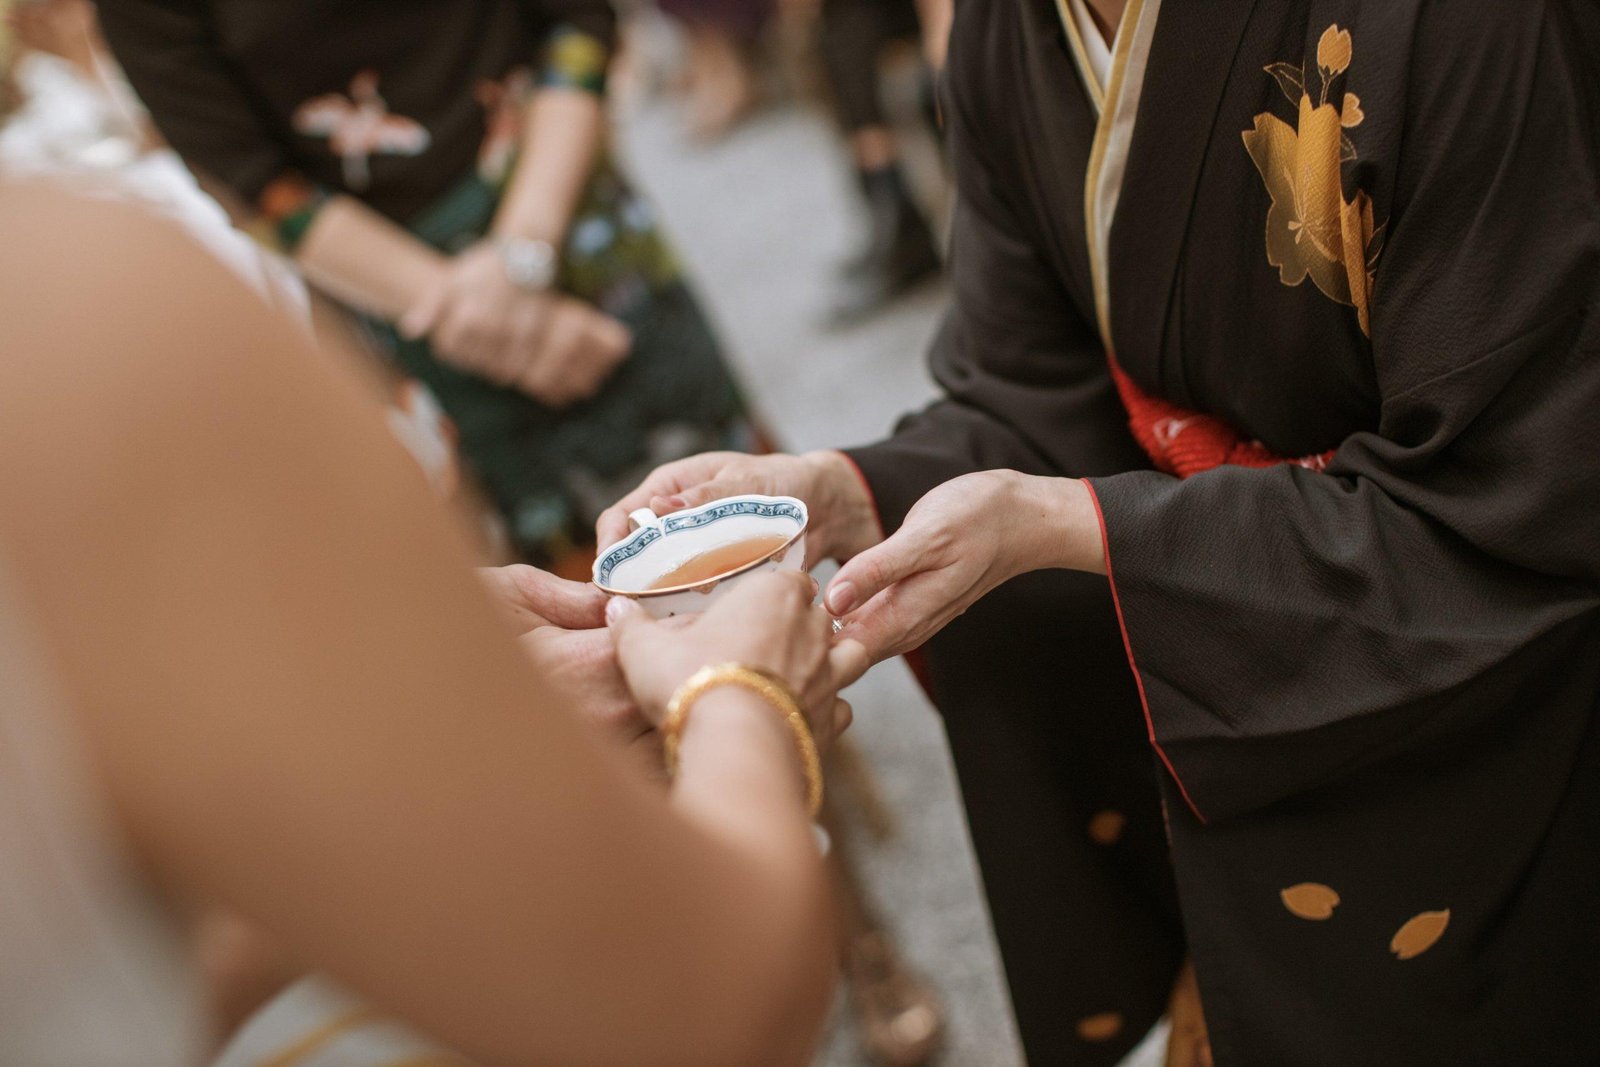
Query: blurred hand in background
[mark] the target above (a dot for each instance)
(553, 347)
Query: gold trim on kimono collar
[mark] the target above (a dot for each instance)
(1117, 107)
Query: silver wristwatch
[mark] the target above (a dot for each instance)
(530, 263)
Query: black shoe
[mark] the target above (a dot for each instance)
(900, 253)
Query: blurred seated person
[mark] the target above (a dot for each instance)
(441, 169)
(246, 667)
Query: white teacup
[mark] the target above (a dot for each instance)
(660, 545)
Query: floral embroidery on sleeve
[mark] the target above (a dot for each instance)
(1312, 230)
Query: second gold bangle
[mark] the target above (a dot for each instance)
(770, 689)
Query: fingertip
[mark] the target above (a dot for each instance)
(800, 584)
(851, 660)
(619, 609)
(841, 597)
(661, 505)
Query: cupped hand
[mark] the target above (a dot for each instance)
(843, 520)
(766, 621)
(529, 598)
(960, 541)
(556, 349)
(560, 624)
(581, 666)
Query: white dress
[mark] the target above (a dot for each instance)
(92, 971)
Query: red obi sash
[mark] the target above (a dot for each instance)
(1183, 442)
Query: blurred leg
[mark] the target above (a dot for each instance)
(722, 87)
(900, 250)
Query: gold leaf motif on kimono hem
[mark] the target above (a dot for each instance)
(1419, 933)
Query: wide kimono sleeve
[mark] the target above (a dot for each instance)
(204, 111)
(1023, 374)
(1288, 626)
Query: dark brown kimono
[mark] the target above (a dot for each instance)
(1366, 232)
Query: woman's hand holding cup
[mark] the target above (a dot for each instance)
(843, 518)
(768, 623)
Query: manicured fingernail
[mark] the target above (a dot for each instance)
(841, 598)
(676, 502)
(617, 607)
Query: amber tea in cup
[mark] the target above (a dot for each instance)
(682, 562)
(719, 561)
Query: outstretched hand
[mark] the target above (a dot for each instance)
(959, 542)
(528, 598)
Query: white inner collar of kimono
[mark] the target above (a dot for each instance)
(1113, 77)
(1095, 49)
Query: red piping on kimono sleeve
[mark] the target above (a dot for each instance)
(1127, 644)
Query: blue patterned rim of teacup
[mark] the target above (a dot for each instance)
(766, 507)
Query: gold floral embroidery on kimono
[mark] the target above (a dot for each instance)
(1311, 228)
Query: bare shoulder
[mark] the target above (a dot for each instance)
(135, 364)
(75, 269)
(116, 320)
(49, 227)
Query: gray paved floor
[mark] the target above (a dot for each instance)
(760, 220)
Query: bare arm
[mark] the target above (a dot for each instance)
(304, 707)
(548, 344)
(361, 258)
(369, 262)
(560, 140)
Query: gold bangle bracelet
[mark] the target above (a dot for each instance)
(764, 685)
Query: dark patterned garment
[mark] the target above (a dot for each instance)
(382, 99)
(1343, 257)
(416, 108)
